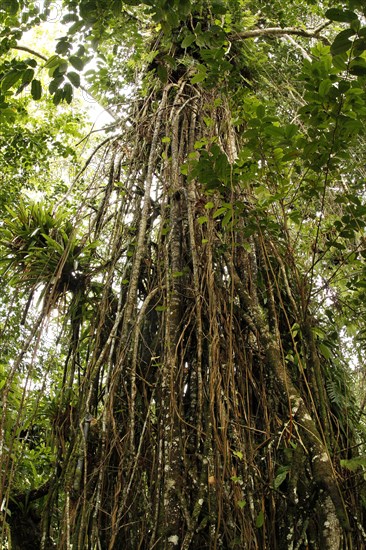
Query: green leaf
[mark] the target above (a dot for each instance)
(238, 454)
(326, 352)
(201, 40)
(162, 73)
(359, 46)
(241, 504)
(209, 121)
(10, 79)
(290, 130)
(170, 61)
(295, 330)
(76, 62)
(218, 7)
(67, 93)
(32, 63)
(344, 86)
(53, 61)
(354, 464)
(200, 75)
(340, 61)
(53, 244)
(11, 7)
(324, 87)
(76, 27)
(260, 520)
(274, 131)
(88, 11)
(74, 78)
(58, 97)
(261, 111)
(27, 76)
(62, 67)
(36, 89)
(341, 42)
(184, 8)
(337, 14)
(188, 40)
(55, 84)
(69, 18)
(237, 479)
(358, 66)
(63, 46)
(220, 211)
(355, 24)
(199, 144)
(280, 478)
(227, 218)
(172, 18)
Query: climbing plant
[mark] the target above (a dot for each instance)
(191, 302)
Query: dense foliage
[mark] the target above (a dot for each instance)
(183, 329)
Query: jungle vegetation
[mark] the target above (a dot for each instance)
(182, 305)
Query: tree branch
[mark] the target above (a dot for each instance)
(297, 46)
(29, 496)
(282, 31)
(29, 50)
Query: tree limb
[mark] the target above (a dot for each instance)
(29, 496)
(282, 31)
(29, 50)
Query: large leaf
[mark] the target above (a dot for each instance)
(337, 14)
(76, 62)
(358, 66)
(341, 42)
(10, 79)
(36, 89)
(74, 78)
(53, 61)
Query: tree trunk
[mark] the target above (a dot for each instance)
(200, 416)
